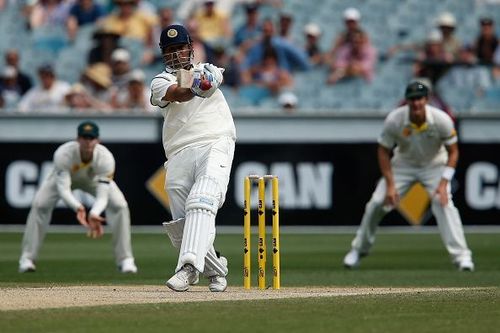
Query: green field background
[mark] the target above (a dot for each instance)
(397, 260)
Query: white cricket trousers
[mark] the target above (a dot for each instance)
(447, 217)
(117, 217)
(191, 165)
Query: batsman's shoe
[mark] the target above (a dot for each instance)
(466, 265)
(352, 259)
(180, 280)
(26, 265)
(128, 266)
(217, 283)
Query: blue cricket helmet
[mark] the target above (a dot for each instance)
(174, 34)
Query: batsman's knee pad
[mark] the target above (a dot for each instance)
(204, 195)
(174, 230)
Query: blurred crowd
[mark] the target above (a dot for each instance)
(260, 53)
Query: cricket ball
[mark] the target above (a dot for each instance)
(205, 85)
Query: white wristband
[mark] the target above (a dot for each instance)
(448, 173)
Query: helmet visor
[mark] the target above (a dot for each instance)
(178, 58)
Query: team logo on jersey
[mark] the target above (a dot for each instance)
(172, 33)
(406, 132)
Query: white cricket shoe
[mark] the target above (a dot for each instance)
(180, 280)
(466, 265)
(128, 266)
(217, 283)
(26, 265)
(352, 259)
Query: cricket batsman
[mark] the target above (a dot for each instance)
(199, 138)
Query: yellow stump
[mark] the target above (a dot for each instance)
(276, 234)
(246, 235)
(262, 233)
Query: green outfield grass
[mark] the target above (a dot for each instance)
(398, 260)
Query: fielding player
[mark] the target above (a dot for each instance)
(198, 138)
(426, 152)
(89, 166)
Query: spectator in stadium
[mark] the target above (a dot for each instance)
(265, 79)
(289, 56)
(486, 42)
(213, 25)
(130, 22)
(250, 32)
(10, 89)
(433, 61)
(496, 66)
(81, 13)
(105, 43)
(78, 99)
(136, 97)
(451, 44)
(48, 13)
(48, 96)
(24, 80)
(357, 58)
(120, 69)
(352, 18)
(443, 34)
(285, 24)
(96, 79)
(312, 33)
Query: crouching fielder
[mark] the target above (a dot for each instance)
(89, 166)
(198, 138)
(426, 152)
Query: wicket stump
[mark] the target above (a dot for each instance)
(261, 210)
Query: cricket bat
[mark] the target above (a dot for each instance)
(185, 78)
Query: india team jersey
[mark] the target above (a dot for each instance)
(197, 121)
(418, 146)
(84, 175)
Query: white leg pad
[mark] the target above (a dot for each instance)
(199, 227)
(198, 238)
(214, 265)
(174, 230)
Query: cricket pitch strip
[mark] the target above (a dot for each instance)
(24, 298)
